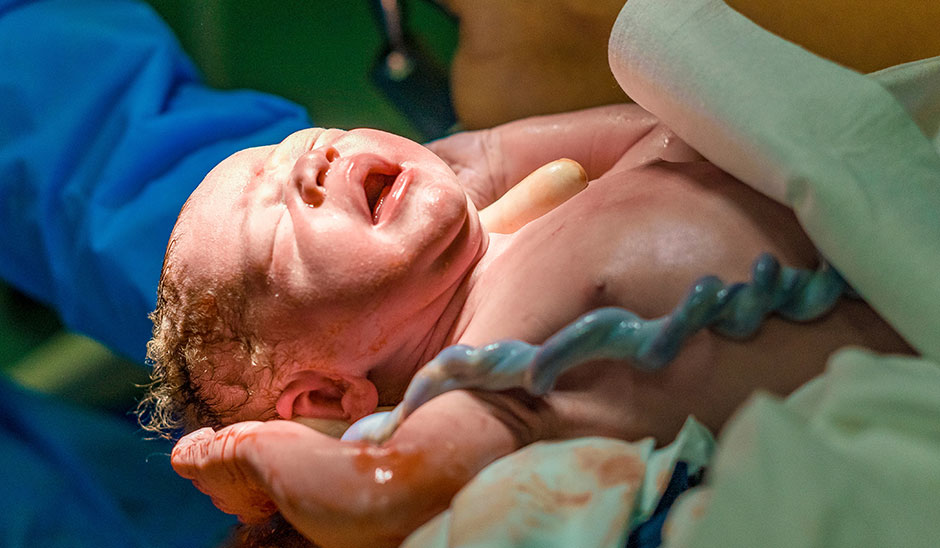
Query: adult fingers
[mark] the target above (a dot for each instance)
(489, 162)
(220, 465)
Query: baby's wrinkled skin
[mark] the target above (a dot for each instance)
(358, 306)
(348, 299)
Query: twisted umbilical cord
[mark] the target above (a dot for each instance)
(735, 311)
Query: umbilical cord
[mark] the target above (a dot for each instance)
(736, 311)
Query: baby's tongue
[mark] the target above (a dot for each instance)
(377, 187)
(378, 204)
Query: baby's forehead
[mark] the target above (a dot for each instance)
(231, 175)
(219, 187)
(207, 224)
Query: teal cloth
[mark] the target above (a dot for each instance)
(588, 492)
(850, 460)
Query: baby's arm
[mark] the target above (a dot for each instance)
(353, 494)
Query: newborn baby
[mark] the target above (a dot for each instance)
(313, 278)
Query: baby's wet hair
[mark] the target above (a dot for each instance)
(193, 327)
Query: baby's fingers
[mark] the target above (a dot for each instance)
(221, 465)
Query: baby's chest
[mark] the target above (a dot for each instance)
(552, 275)
(637, 244)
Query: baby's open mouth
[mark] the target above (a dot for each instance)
(377, 185)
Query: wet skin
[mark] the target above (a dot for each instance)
(637, 237)
(352, 245)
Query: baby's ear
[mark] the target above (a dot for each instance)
(327, 395)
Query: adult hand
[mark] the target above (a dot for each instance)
(489, 162)
(353, 494)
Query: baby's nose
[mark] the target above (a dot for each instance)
(310, 171)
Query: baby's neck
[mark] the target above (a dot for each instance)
(460, 310)
(451, 314)
(456, 312)
(539, 193)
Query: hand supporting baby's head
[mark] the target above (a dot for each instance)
(307, 279)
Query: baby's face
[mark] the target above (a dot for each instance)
(353, 240)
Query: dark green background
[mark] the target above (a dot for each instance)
(317, 53)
